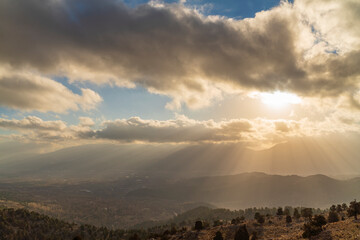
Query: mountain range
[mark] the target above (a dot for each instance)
(106, 162)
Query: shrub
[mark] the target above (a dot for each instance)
(238, 220)
(288, 219)
(287, 212)
(296, 213)
(333, 208)
(217, 223)
(333, 217)
(198, 225)
(314, 227)
(242, 233)
(218, 236)
(311, 230)
(338, 208)
(306, 213)
(319, 220)
(354, 209)
(344, 207)
(259, 218)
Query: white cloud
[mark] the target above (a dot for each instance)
(86, 122)
(256, 133)
(31, 123)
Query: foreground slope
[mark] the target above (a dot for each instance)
(22, 224)
(279, 230)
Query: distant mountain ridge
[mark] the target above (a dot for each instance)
(139, 199)
(109, 161)
(258, 189)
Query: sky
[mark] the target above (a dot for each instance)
(256, 72)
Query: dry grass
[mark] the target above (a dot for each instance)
(348, 229)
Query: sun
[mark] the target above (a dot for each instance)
(278, 99)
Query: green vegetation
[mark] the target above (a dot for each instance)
(210, 215)
(24, 224)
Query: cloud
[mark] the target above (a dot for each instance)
(255, 133)
(333, 21)
(178, 130)
(86, 122)
(29, 91)
(173, 50)
(32, 123)
(282, 126)
(34, 129)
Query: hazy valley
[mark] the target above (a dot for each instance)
(130, 185)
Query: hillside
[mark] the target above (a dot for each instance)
(23, 224)
(277, 229)
(257, 189)
(134, 200)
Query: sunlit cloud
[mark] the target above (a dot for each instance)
(256, 133)
(276, 99)
(308, 48)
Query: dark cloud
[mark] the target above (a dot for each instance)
(135, 129)
(28, 91)
(169, 49)
(176, 131)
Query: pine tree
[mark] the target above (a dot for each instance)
(288, 219)
(242, 233)
(218, 236)
(198, 225)
(333, 217)
(280, 211)
(354, 209)
(296, 213)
